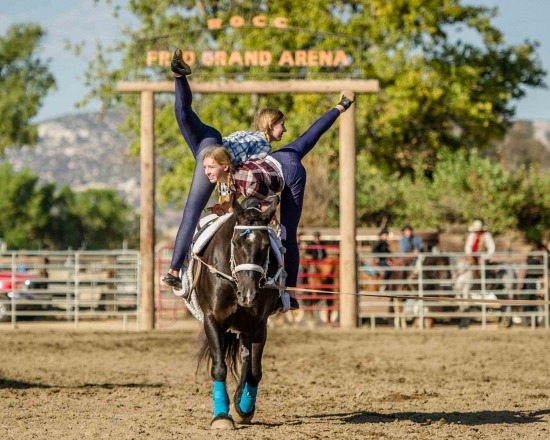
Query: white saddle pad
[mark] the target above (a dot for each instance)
(210, 230)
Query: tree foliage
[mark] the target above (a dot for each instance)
(440, 91)
(463, 187)
(25, 80)
(36, 216)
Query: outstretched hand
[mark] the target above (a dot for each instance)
(346, 99)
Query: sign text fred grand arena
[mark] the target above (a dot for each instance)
(210, 58)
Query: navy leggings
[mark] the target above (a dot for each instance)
(198, 136)
(292, 197)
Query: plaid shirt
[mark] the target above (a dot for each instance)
(245, 145)
(258, 178)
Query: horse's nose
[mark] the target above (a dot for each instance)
(247, 298)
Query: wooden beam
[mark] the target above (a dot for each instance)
(262, 87)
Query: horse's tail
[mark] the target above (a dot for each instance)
(231, 352)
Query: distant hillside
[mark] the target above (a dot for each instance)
(83, 152)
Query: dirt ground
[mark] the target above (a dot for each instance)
(318, 384)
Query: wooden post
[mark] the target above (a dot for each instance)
(348, 260)
(147, 208)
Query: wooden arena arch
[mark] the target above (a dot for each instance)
(348, 263)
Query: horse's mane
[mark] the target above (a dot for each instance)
(252, 212)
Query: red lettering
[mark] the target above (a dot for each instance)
(235, 58)
(286, 58)
(207, 58)
(325, 58)
(300, 58)
(220, 58)
(280, 22)
(312, 58)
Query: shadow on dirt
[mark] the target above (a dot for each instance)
(440, 418)
(17, 385)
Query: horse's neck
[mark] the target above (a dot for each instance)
(219, 246)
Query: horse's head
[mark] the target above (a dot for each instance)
(250, 247)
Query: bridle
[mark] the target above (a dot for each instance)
(277, 281)
(235, 268)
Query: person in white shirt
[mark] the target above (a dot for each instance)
(480, 245)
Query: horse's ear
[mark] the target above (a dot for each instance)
(272, 208)
(237, 208)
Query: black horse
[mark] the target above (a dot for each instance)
(235, 300)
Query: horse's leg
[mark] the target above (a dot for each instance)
(245, 395)
(215, 335)
(241, 410)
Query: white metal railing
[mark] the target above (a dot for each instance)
(73, 285)
(509, 275)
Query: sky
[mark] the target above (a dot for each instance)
(84, 21)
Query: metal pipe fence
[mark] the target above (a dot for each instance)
(85, 285)
(508, 275)
(69, 285)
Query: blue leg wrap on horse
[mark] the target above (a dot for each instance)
(220, 398)
(248, 398)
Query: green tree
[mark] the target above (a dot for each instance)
(23, 208)
(105, 219)
(441, 96)
(463, 187)
(25, 80)
(36, 216)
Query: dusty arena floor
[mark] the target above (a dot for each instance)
(318, 384)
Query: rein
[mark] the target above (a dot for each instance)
(214, 270)
(517, 302)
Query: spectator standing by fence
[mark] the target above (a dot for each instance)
(410, 242)
(315, 249)
(382, 246)
(479, 241)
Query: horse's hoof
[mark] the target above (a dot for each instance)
(222, 421)
(241, 419)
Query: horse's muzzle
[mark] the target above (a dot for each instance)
(247, 298)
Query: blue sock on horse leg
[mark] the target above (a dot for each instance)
(220, 398)
(248, 398)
